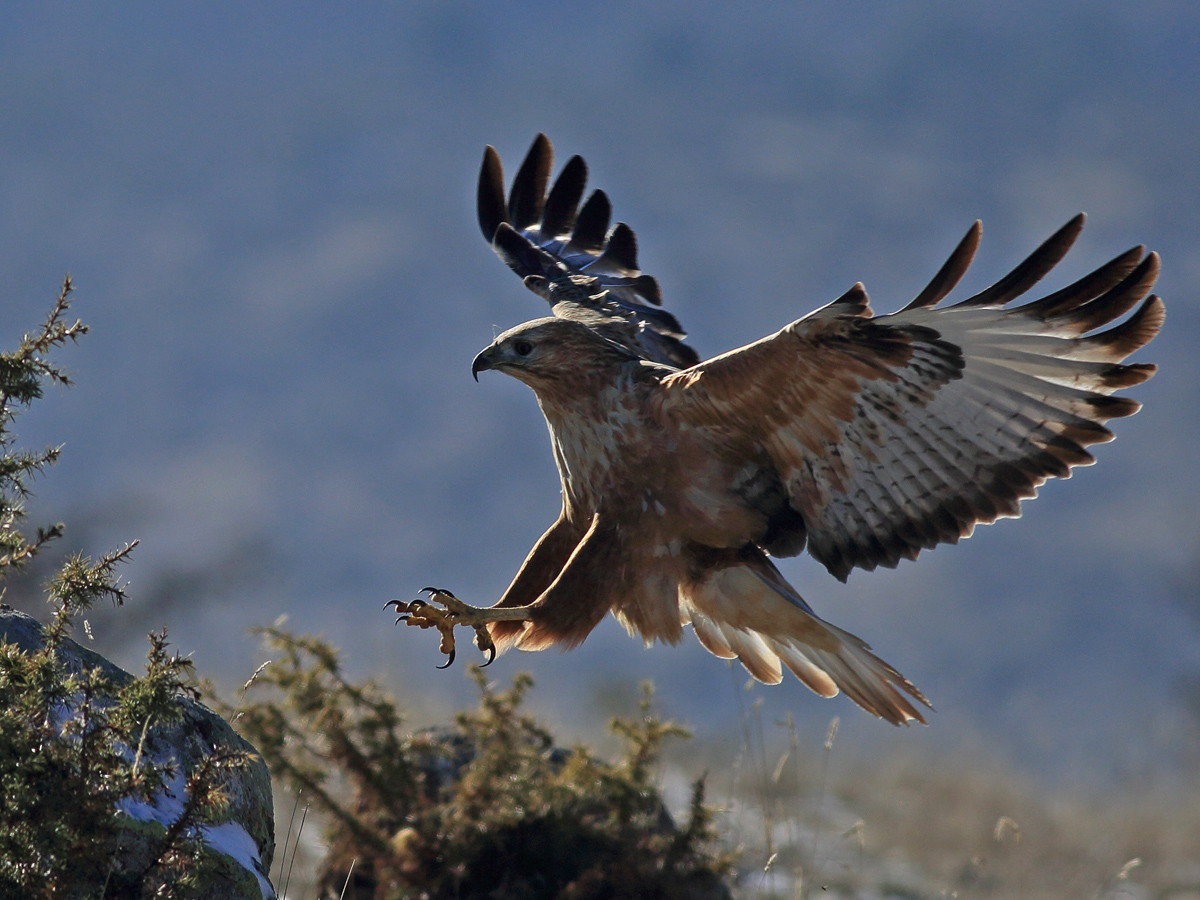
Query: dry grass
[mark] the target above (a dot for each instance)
(812, 821)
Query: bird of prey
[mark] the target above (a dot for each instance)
(862, 438)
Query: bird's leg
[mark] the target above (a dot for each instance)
(425, 614)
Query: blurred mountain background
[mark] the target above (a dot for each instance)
(268, 210)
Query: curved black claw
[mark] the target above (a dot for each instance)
(433, 590)
(395, 603)
(449, 662)
(400, 619)
(491, 657)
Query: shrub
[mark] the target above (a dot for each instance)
(486, 808)
(73, 728)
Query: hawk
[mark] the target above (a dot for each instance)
(864, 439)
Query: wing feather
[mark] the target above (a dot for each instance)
(527, 198)
(490, 207)
(591, 228)
(569, 256)
(895, 433)
(1090, 286)
(559, 215)
(1032, 269)
(951, 272)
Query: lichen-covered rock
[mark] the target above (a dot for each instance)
(234, 853)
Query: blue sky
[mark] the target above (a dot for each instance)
(268, 212)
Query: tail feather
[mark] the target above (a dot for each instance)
(755, 653)
(710, 636)
(750, 612)
(810, 674)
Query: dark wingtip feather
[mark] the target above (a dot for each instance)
(951, 271)
(522, 255)
(1135, 332)
(620, 252)
(591, 227)
(1086, 288)
(1114, 407)
(648, 289)
(489, 199)
(1127, 376)
(1032, 269)
(1117, 301)
(546, 237)
(558, 217)
(528, 194)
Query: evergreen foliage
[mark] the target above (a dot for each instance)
(72, 735)
(24, 373)
(487, 808)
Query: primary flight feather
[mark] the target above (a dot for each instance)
(861, 438)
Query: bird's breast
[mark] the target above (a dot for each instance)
(595, 454)
(650, 478)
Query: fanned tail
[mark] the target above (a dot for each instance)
(750, 612)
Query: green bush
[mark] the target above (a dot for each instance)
(72, 735)
(487, 808)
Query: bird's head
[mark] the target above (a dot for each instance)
(552, 355)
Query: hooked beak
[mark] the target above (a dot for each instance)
(482, 362)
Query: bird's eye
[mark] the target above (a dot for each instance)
(522, 348)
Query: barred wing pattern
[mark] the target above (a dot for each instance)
(895, 433)
(568, 255)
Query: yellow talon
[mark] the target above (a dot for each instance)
(425, 614)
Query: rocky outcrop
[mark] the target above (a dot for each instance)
(236, 850)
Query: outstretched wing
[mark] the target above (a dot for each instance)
(895, 433)
(569, 256)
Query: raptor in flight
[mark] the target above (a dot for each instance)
(861, 438)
